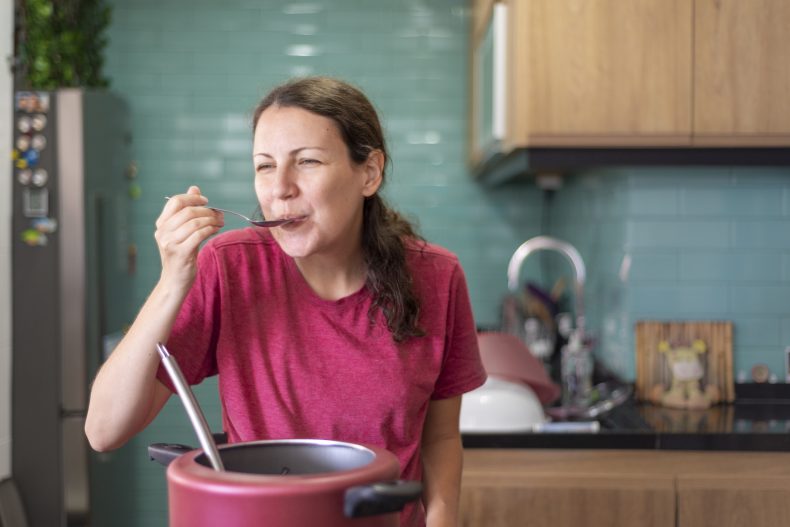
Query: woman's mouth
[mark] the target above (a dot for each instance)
(292, 220)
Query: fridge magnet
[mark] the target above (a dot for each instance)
(45, 225)
(685, 365)
(34, 238)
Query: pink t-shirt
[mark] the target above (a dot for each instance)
(293, 365)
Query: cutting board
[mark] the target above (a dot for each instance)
(651, 366)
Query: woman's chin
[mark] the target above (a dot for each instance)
(295, 248)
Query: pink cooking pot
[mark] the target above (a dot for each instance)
(285, 483)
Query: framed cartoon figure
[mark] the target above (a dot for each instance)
(684, 364)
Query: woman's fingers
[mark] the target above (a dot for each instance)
(189, 213)
(193, 198)
(182, 209)
(180, 229)
(183, 225)
(197, 237)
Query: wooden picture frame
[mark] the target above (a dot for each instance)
(652, 368)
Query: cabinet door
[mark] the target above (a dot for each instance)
(488, 78)
(742, 72)
(551, 500)
(716, 501)
(601, 72)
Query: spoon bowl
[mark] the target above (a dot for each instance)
(257, 223)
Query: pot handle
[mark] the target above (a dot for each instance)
(165, 453)
(380, 498)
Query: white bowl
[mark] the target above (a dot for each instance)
(501, 406)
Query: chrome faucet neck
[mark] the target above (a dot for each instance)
(541, 243)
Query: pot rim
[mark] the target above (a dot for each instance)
(298, 441)
(184, 470)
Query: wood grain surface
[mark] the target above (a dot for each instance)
(741, 72)
(613, 488)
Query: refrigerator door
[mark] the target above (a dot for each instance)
(36, 368)
(72, 286)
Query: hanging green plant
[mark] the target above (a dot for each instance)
(61, 43)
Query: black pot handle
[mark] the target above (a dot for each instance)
(165, 453)
(380, 498)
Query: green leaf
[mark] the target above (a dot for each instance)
(64, 42)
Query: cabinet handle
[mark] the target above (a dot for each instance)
(499, 22)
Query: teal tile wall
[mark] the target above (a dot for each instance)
(192, 70)
(679, 244)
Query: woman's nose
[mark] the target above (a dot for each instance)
(284, 185)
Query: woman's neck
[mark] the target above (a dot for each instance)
(334, 277)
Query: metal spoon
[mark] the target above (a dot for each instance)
(191, 406)
(257, 223)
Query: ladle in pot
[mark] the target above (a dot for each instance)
(191, 406)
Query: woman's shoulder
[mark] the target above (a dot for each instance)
(422, 254)
(239, 251)
(234, 246)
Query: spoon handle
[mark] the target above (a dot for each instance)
(191, 406)
(257, 223)
(239, 214)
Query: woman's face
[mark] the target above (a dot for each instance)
(303, 170)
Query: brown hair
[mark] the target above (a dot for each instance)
(384, 231)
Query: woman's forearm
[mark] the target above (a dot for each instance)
(125, 395)
(442, 466)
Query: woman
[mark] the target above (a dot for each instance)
(340, 325)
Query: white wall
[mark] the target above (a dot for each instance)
(6, 89)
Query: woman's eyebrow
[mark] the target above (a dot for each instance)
(292, 152)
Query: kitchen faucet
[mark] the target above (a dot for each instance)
(540, 243)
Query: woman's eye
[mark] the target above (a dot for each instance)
(263, 166)
(308, 162)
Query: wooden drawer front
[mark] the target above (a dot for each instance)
(705, 501)
(550, 501)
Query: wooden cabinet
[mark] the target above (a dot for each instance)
(733, 501)
(600, 72)
(586, 73)
(595, 73)
(741, 72)
(540, 488)
(551, 500)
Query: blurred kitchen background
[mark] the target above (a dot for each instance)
(697, 239)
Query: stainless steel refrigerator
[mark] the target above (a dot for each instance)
(72, 266)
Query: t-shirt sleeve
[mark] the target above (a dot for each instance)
(194, 335)
(462, 369)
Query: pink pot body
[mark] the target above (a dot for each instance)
(199, 496)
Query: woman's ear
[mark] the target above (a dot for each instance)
(373, 170)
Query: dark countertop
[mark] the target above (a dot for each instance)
(755, 422)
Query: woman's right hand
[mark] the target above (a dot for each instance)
(183, 225)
